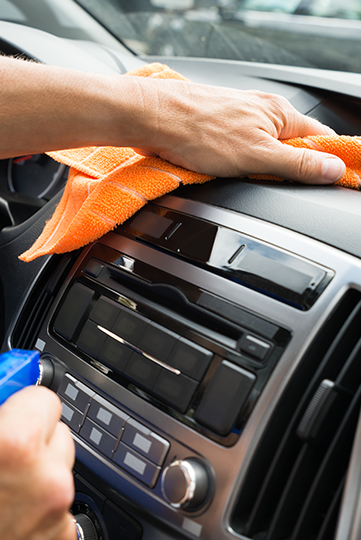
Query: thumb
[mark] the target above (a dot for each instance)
(306, 166)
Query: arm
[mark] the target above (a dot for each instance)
(36, 459)
(213, 130)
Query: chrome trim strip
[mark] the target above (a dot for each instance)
(349, 525)
(136, 349)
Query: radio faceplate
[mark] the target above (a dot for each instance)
(161, 338)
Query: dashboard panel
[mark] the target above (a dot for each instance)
(206, 352)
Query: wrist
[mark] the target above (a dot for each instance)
(153, 112)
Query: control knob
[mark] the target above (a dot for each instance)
(185, 483)
(85, 528)
(87, 522)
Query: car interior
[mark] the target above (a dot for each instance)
(206, 352)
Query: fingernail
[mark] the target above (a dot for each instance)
(333, 169)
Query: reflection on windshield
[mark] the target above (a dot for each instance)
(63, 18)
(323, 34)
(267, 31)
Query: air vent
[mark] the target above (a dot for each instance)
(39, 302)
(294, 484)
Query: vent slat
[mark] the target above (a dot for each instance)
(342, 346)
(270, 492)
(281, 467)
(39, 302)
(327, 530)
(298, 495)
(294, 494)
(349, 377)
(331, 472)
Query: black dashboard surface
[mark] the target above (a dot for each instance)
(330, 214)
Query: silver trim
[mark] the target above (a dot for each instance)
(41, 374)
(136, 349)
(190, 476)
(79, 530)
(349, 525)
(128, 263)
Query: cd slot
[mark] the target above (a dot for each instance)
(170, 302)
(171, 299)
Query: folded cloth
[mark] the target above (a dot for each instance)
(107, 185)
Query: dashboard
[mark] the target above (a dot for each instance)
(206, 352)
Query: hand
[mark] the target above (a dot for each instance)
(225, 132)
(213, 130)
(36, 459)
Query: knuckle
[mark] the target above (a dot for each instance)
(276, 100)
(304, 166)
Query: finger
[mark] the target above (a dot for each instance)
(32, 410)
(63, 530)
(69, 531)
(61, 446)
(301, 126)
(303, 165)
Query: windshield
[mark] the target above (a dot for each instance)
(323, 34)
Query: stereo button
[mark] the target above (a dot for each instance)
(255, 347)
(105, 312)
(157, 341)
(106, 415)
(93, 268)
(115, 354)
(136, 465)
(191, 359)
(130, 326)
(177, 390)
(98, 438)
(75, 392)
(91, 339)
(145, 442)
(73, 310)
(224, 398)
(142, 371)
(71, 416)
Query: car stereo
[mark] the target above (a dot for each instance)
(162, 353)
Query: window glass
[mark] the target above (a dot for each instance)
(345, 9)
(281, 6)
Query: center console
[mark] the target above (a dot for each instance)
(169, 352)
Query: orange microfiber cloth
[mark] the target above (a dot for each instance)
(107, 185)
